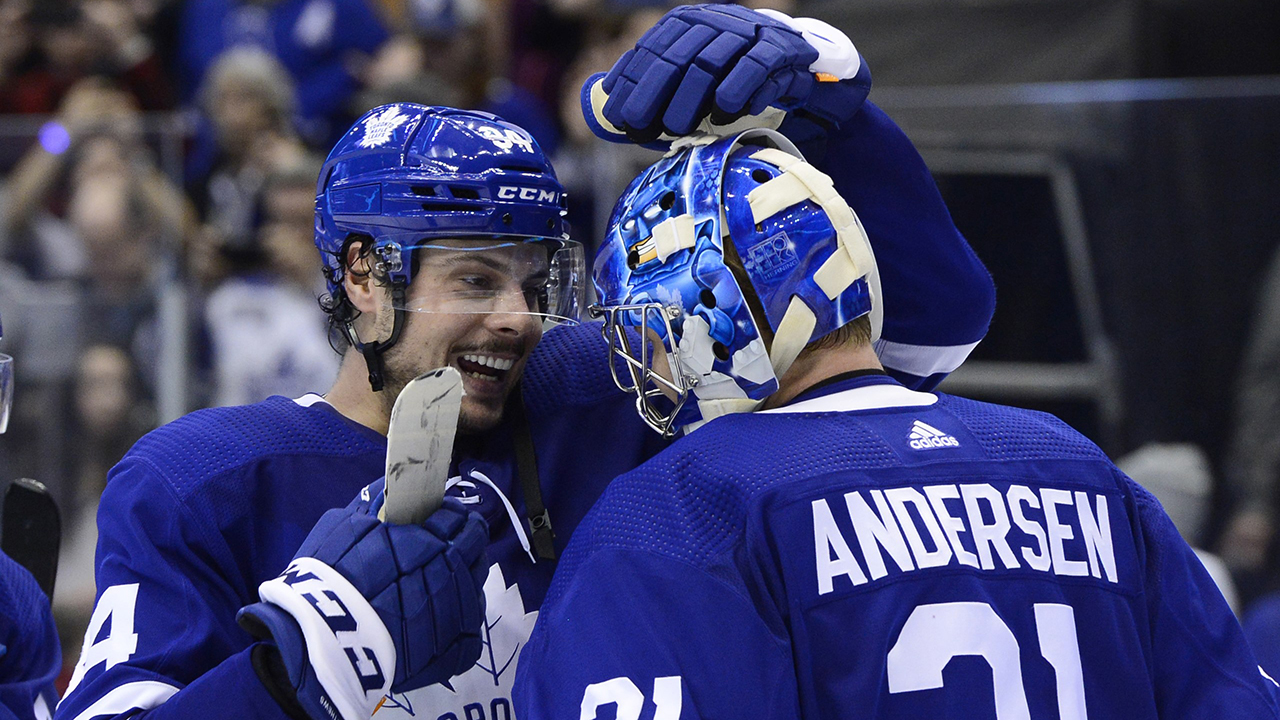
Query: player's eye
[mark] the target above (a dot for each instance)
(476, 282)
(536, 293)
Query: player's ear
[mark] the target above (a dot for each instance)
(361, 288)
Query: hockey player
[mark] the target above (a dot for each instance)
(202, 514)
(827, 542)
(443, 243)
(427, 221)
(31, 657)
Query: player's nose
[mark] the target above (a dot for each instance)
(511, 315)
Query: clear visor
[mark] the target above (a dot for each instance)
(6, 390)
(660, 393)
(541, 278)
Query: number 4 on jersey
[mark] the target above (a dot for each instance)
(117, 604)
(934, 634)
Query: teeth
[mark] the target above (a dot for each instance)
(490, 361)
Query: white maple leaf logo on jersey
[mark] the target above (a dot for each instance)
(506, 629)
(378, 128)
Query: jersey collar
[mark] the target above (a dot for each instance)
(319, 402)
(858, 390)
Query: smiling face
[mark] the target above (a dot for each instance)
(472, 305)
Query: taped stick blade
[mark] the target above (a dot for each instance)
(424, 422)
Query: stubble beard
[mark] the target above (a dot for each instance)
(395, 376)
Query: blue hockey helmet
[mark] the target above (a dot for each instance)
(410, 176)
(663, 267)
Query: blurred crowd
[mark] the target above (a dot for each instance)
(147, 144)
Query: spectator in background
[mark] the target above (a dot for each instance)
(319, 42)
(90, 205)
(95, 139)
(545, 36)
(17, 39)
(110, 413)
(57, 43)
(249, 101)
(267, 333)
(1181, 478)
(584, 166)
(1253, 463)
(442, 57)
(36, 231)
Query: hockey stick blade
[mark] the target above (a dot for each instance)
(424, 422)
(32, 530)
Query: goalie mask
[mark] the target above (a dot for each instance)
(429, 184)
(662, 270)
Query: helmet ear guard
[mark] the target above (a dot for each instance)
(344, 313)
(801, 248)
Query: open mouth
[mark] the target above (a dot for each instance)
(485, 368)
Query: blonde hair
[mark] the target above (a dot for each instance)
(261, 74)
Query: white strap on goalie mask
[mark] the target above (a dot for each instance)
(853, 259)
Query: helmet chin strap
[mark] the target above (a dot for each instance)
(372, 351)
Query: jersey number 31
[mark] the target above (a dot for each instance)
(934, 634)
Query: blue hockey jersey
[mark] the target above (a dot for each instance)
(869, 551)
(203, 510)
(30, 656)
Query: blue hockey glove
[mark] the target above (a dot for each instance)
(368, 607)
(722, 68)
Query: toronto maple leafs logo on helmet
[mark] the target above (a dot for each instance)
(378, 128)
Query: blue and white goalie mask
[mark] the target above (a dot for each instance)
(461, 196)
(662, 271)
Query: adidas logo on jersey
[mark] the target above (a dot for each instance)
(926, 437)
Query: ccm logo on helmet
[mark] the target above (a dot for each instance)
(509, 192)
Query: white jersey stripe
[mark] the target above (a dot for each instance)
(867, 397)
(310, 399)
(142, 695)
(922, 360)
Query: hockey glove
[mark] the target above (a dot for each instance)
(722, 68)
(368, 607)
